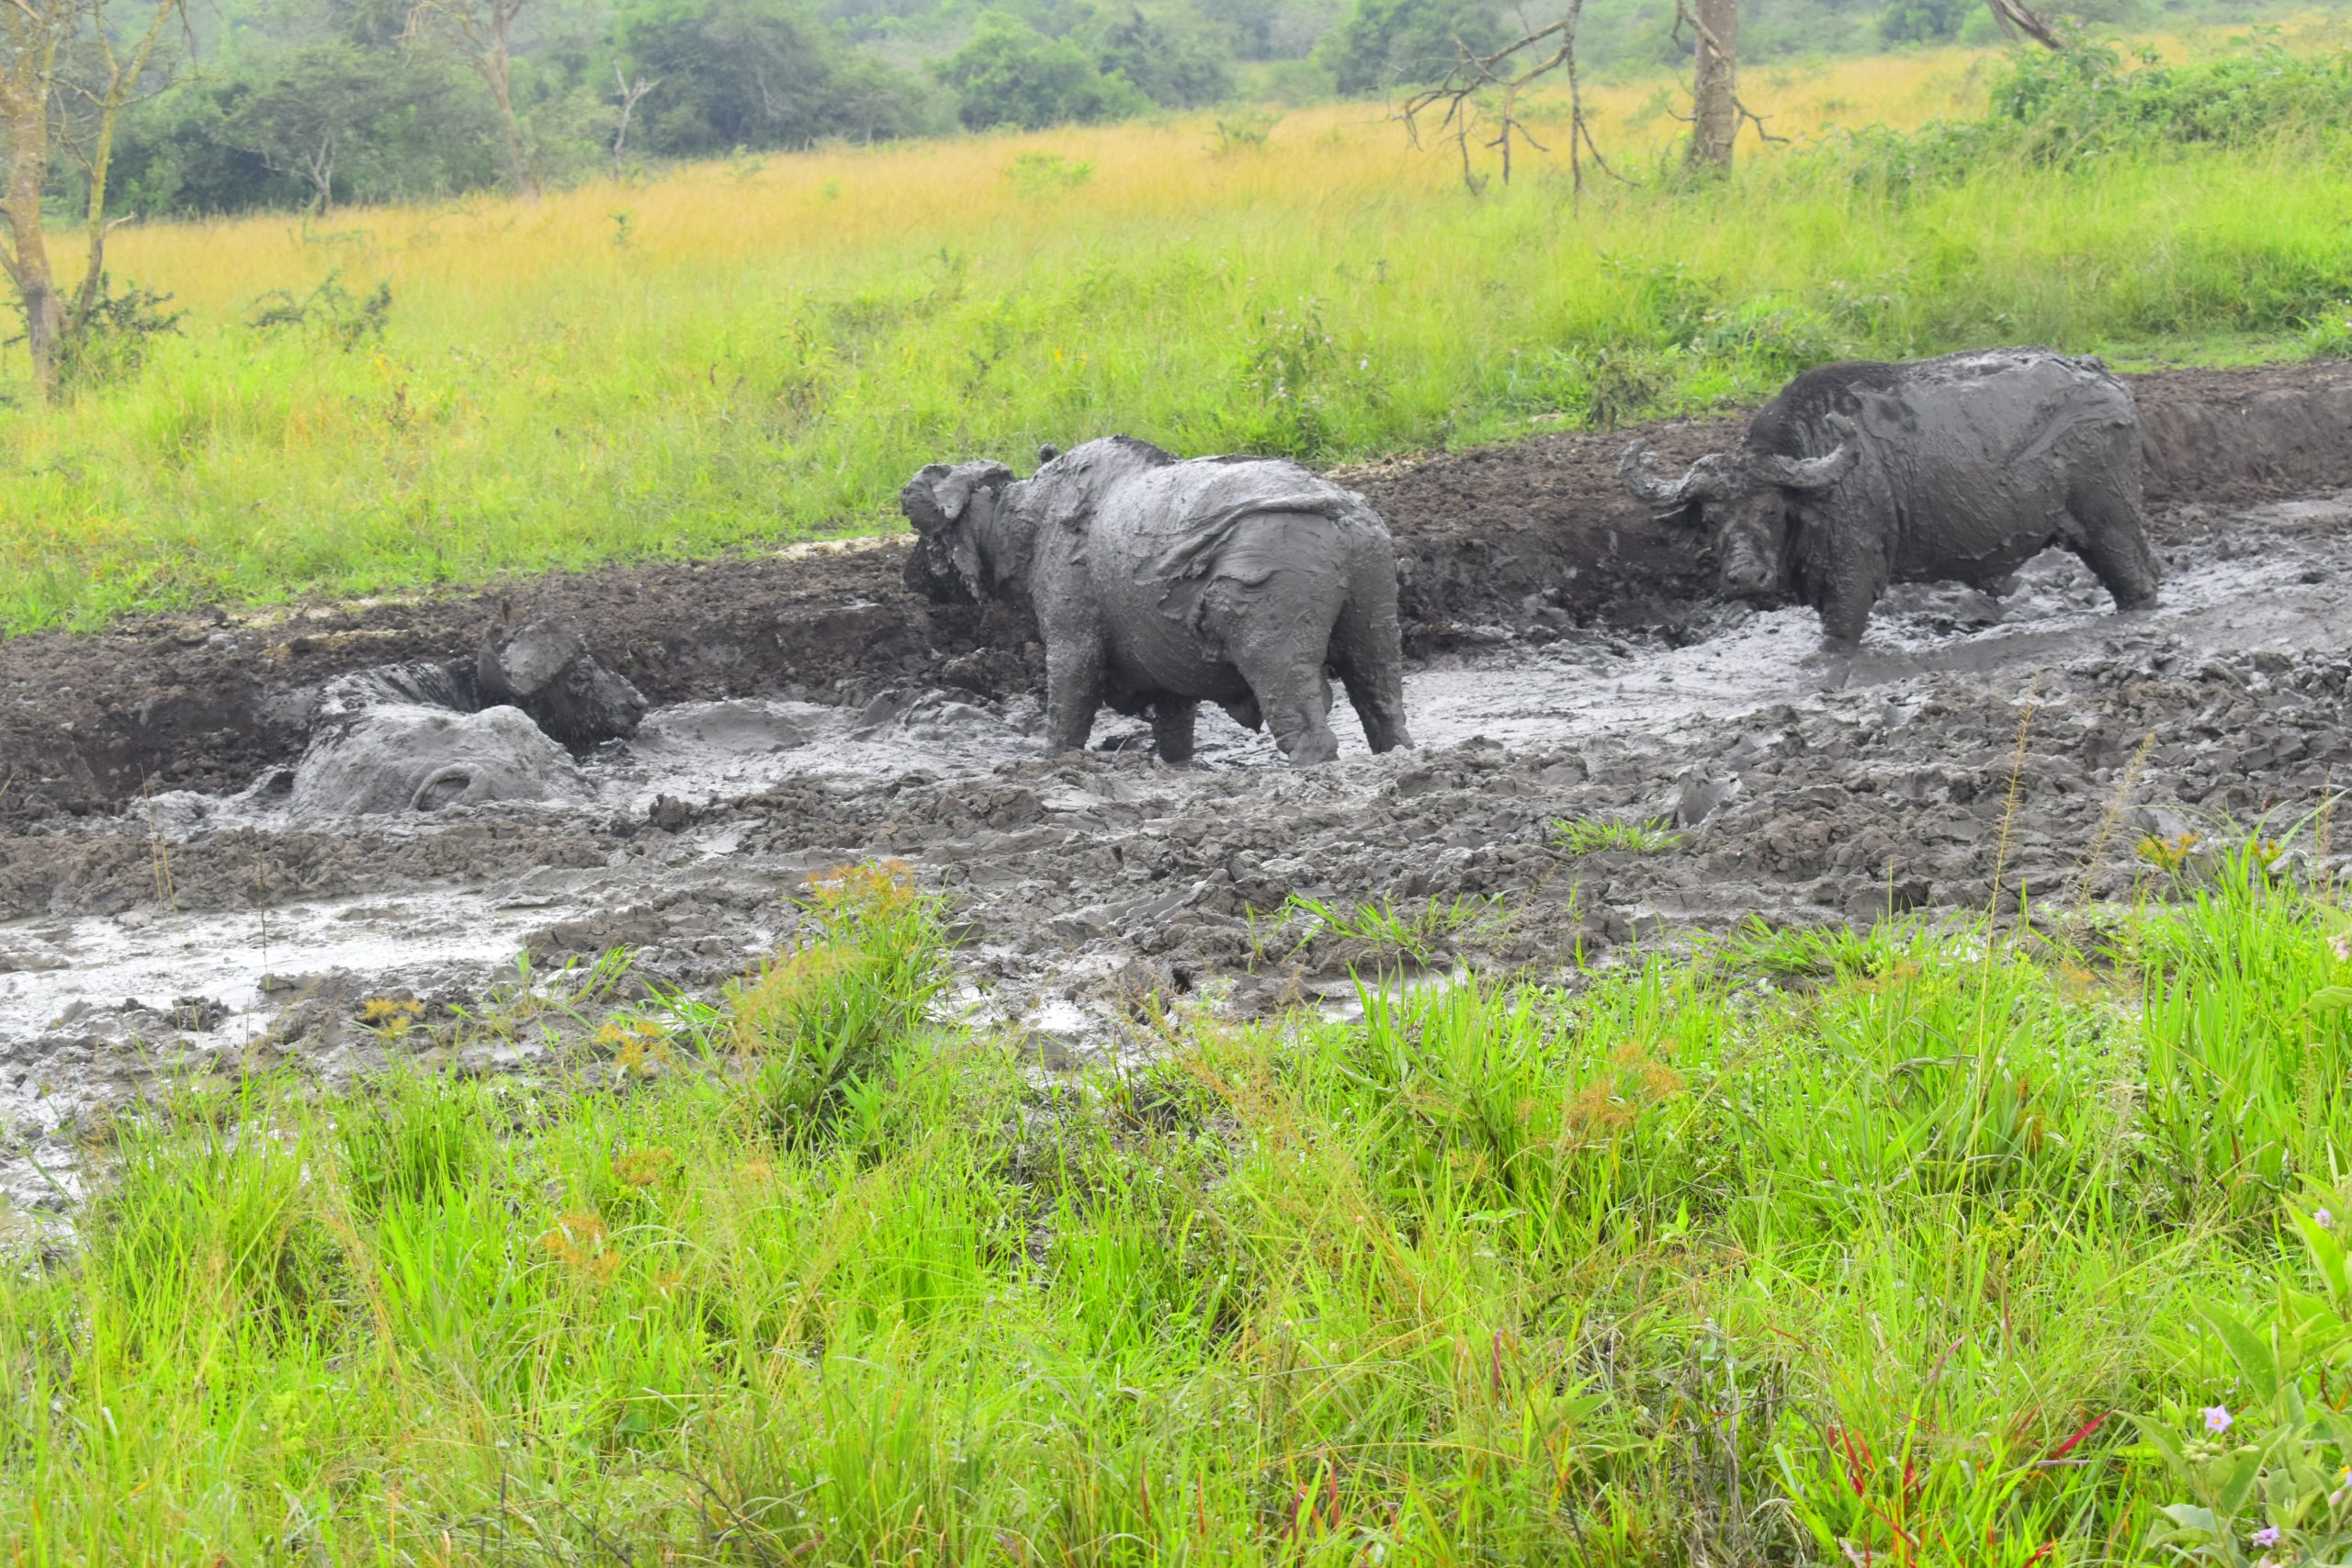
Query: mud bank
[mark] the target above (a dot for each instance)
(209, 934)
(1527, 540)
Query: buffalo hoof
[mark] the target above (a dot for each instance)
(1833, 663)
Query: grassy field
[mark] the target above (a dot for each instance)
(747, 351)
(1931, 1246)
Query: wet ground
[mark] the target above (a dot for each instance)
(195, 931)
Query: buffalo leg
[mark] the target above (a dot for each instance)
(1286, 677)
(1171, 728)
(1844, 617)
(1375, 689)
(1073, 691)
(2114, 546)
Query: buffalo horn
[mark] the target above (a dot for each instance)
(1704, 482)
(1809, 473)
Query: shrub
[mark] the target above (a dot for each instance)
(828, 1025)
(1012, 75)
(330, 313)
(110, 340)
(1042, 174)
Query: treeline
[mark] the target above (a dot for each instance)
(325, 102)
(293, 104)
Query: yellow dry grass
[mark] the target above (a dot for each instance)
(757, 349)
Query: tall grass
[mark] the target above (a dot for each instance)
(1923, 1247)
(761, 349)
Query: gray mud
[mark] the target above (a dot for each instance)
(200, 934)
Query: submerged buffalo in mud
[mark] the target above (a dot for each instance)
(1160, 583)
(1963, 468)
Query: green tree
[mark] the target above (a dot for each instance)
(1390, 43)
(316, 125)
(310, 111)
(756, 73)
(68, 71)
(1174, 68)
(1924, 21)
(1010, 74)
(482, 33)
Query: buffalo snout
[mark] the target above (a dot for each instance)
(1747, 570)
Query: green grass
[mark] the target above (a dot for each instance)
(1380, 933)
(780, 342)
(1594, 835)
(1923, 1247)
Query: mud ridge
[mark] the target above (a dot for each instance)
(1522, 541)
(209, 933)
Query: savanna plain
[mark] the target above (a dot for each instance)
(1933, 1146)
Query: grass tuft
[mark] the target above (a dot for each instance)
(1594, 835)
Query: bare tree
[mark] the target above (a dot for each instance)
(484, 31)
(631, 92)
(1715, 108)
(66, 74)
(1481, 94)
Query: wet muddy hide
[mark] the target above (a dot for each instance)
(1959, 469)
(1160, 583)
(424, 737)
(404, 757)
(545, 668)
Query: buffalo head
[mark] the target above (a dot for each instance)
(953, 509)
(1742, 501)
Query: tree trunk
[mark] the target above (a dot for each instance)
(27, 129)
(500, 76)
(1714, 87)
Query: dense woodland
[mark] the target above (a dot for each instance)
(315, 104)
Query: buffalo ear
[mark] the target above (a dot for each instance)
(955, 493)
(1047, 453)
(923, 503)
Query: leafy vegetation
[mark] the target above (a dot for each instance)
(757, 349)
(317, 104)
(1589, 835)
(1917, 1246)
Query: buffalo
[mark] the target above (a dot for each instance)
(1960, 468)
(1160, 583)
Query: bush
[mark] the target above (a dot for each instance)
(1174, 69)
(2084, 101)
(829, 1024)
(109, 341)
(1388, 44)
(329, 313)
(1047, 173)
(1012, 75)
(758, 73)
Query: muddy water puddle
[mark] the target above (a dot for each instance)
(1797, 790)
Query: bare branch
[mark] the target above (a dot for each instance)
(1481, 92)
(2016, 20)
(630, 93)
